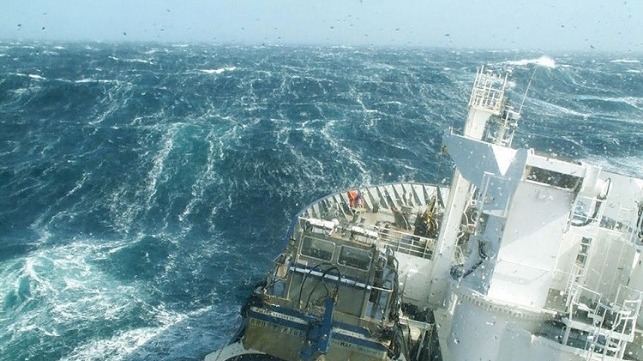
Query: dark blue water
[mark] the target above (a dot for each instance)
(144, 189)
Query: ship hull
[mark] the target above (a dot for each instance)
(346, 342)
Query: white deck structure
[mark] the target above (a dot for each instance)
(553, 269)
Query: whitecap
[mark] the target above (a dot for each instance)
(544, 61)
(36, 77)
(135, 60)
(219, 70)
(625, 61)
(635, 102)
(159, 162)
(129, 343)
(116, 347)
(556, 110)
(143, 61)
(91, 80)
(20, 91)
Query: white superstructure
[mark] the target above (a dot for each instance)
(553, 269)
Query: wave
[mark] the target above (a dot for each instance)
(55, 290)
(625, 61)
(634, 102)
(134, 60)
(92, 80)
(125, 343)
(107, 295)
(544, 61)
(218, 70)
(552, 109)
(30, 76)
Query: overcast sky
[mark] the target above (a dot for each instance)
(594, 25)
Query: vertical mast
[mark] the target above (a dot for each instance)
(487, 99)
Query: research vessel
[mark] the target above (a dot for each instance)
(524, 257)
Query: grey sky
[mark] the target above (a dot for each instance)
(601, 25)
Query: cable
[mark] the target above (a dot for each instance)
(483, 256)
(590, 219)
(323, 281)
(303, 281)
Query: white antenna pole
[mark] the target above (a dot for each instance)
(527, 90)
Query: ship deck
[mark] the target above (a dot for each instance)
(388, 210)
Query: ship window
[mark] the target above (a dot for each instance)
(317, 248)
(553, 178)
(355, 257)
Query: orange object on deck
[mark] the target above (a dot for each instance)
(354, 197)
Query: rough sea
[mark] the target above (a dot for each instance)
(145, 188)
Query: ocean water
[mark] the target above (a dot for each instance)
(144, 189)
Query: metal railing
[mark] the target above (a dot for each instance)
(488, 91)
(399, 241)
(406, 243)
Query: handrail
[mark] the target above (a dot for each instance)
(406, 243)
